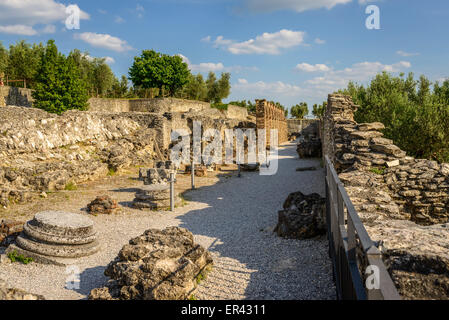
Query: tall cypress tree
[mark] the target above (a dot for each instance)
(59, 84)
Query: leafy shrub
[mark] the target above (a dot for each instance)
(414, 114)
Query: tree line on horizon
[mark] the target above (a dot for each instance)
(62, 82)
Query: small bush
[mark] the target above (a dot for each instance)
(220, 106)
(15, 257)
(379, 171)
(70, 187)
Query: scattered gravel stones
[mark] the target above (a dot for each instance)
(158, 265)
(102, 205)
(303, 217)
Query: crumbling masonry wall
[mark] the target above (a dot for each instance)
(403, 202)
(270, 117)
(15, 96)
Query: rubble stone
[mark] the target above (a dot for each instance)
(158, 265)
(303, 217)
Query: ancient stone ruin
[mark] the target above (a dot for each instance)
(102, 205)
(56, 237)
(403, 202)
(42, 152)
(309, 147)
(158, 175)
(269, 117)
(154, 197)
(158, 265)
(303, 217)
(9, 231)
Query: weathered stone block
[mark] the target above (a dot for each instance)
(158, 265)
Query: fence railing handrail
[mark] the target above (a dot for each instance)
(351, 247)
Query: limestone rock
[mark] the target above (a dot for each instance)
(154, 197)
(303, 217)
(375, 126)
(158, 265)
(102, 205)
(8, 293)
(309, 148)
(9, 231)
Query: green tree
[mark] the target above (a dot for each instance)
(319, 109)
(120, 88)
(59, 86)
(4, 57)
(299, 111)
(155, 70)
(195, 89)
(414, 115)
(24, 61)
(103, 77)
(212, 87)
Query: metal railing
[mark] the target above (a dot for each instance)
(351, 249)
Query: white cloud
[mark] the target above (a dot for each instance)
(319, 41)
(20, 16)
(312, 68)
(119, 19)
(140, 11)
(214, 67)
(406, 54)
(267, 43)
(295, 5)
(269, 89)
(108, 60)
(358, 72)
(50, 28)
(206, 39)
(105, 41)
(18, 29)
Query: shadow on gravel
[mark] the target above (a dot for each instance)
(90, 278)
(241, 215)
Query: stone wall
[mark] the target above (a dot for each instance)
(42, 152)
(13, 96)
(109, 105)
(402, 201)
(304, 126)
(269, 117)
(236, 112)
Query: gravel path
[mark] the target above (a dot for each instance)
(234, 219)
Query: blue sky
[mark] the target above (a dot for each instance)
(284, 50)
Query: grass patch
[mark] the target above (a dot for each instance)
(70, 187)
(15, 257)
(203, 274)
(112, 172)
(379, 171)
(192, 298)
(219, 106)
